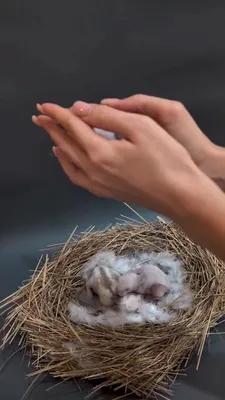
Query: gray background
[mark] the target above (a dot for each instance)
(65, 51)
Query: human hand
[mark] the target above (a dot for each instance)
(176, 120)
(147, 167)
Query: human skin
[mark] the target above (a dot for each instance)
(177, 121)
(148, 167)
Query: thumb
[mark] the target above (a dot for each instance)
(107, 118)
(154, 107)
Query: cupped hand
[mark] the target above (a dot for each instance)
(176, 120)
(148, 167)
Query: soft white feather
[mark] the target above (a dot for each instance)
(110, 318)
(178, 299)
(124, 264)
(106, 134)
(82, 315)
(147, 312)
(131, 303)
(155, 314)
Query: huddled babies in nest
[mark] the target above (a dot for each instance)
(120, 290)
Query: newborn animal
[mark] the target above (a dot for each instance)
(145, 280)
(152, 281)
(103, 259)
(132, 269)
(103, 282)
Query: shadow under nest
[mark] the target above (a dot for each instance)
(140, 359)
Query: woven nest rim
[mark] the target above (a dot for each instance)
(141, 359)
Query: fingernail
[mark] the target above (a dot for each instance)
(81, 108)
(35, 120)
(40, 108)
(108, 101)
(54, 150)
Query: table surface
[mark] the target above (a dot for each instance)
(89, 50)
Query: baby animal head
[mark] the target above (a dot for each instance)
(127, 283)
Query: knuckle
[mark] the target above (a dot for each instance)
(140, 101)
(92, 110)
(177, 109)
(139, 98)
(99, 113)
(142, 98)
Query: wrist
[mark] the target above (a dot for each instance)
(189, 195)
(201, 213)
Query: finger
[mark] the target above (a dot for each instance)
(78, 176)
(68, 167)
(61, 139)
(41, 111)
(107, 118)
(154, 107)
(44, 118)
(169, 114)
(78, 129)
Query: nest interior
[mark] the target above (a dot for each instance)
(139, 359)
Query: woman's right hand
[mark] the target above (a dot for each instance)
(176, 120)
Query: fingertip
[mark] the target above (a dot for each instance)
(39, 108)
(45, 106)
(81, 108)
(109, 101)
(58, 152)
(48, 108)
(42, 120)
(35, 120)
(54, 150)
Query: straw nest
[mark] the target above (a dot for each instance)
(139, 359)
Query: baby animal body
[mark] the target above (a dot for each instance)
(103, 282)
(152, 281)
(145, 280)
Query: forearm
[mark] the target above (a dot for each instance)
(202, 214)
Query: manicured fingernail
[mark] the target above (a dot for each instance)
(108, 101)
(81, 108)
(54, 150)
(40, 108)
(35, 120)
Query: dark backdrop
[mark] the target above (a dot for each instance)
(63, 51)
